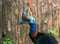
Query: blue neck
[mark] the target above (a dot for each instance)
(33, 28)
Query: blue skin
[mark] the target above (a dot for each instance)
(33, 27)
(32, 23)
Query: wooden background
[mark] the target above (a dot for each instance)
(46, 13)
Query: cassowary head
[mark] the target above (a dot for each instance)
(26, 14)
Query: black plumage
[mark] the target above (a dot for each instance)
(44, 38)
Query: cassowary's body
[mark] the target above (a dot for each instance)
(44, 38)
(37, 37)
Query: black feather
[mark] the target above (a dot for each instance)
(44, 38)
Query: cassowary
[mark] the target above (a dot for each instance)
(36, 36)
